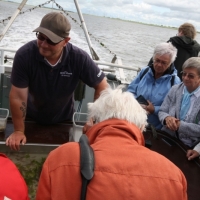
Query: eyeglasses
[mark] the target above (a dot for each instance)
(42, 38)
(190, 76)
(163, 63)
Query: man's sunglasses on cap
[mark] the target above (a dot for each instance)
(42, 38)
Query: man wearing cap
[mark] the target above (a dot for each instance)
(45, 74)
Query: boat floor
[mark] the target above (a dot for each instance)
(175, 151)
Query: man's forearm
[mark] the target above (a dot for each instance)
(18, 104)
(18, 110)
(101, 86)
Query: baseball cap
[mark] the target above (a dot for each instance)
(55, 26)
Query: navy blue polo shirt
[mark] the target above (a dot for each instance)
(51, 90)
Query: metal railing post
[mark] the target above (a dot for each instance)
(12, 18)
(93, 53)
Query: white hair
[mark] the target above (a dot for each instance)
(114, 103)
(165, 48)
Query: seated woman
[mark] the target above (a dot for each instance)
(180, 110)
(154, 81)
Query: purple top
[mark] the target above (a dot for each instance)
(51, 90)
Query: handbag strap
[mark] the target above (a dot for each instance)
(87, 164)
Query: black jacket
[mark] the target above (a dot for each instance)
(186, 47)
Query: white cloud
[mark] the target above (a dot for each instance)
(182, 5)
(162, 12)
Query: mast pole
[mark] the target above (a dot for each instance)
(12, 19)
(93, 53)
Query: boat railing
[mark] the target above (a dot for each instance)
(104, 66)
(7, 56)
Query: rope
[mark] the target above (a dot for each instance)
(101, 43)
(30, 9)
(73, 19)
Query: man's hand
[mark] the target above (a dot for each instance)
(88, 125)
(191, 154)
(15, 139)
(172, 123)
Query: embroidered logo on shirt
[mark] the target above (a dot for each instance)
(65, 73)
(99, 74)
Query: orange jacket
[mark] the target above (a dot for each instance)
(12, 184)
(124, 168)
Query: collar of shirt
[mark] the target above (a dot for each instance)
(59, 60)
(192, 100)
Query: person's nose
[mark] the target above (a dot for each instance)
(44, 43)
(159, 63)
(185, 77)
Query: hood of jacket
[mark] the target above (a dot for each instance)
(171, 70)
(115, 128)
(186, 43)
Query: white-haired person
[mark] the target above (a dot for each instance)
(124, 168)
(154, 81)
(180, 111)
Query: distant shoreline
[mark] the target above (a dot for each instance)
(141, 23)
(132, 21)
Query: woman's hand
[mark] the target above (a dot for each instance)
(172, 123)
(150, 108)
(191, 154)
(145, 108)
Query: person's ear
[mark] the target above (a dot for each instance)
(88, 125)
(180, 33)
(142, 128)
(66, 41)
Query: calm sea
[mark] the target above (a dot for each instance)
(133, 42)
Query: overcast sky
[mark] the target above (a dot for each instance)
(161, 12)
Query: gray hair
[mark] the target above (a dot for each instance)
(114, 103)
(192, 62)
(165, 48)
